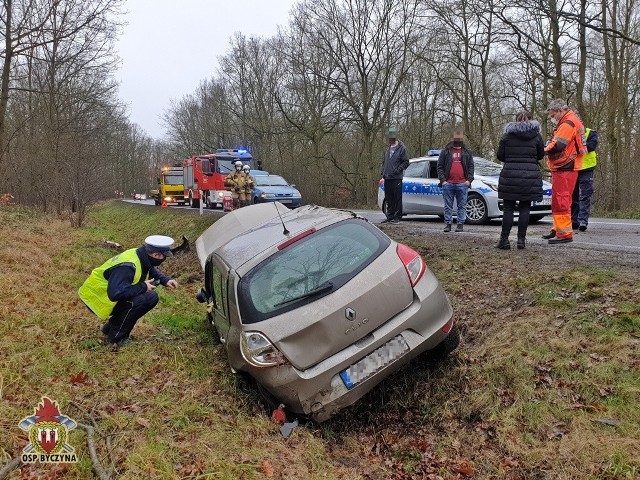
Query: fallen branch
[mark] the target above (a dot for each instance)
(91, 442)
(97, 466)
(9, 467)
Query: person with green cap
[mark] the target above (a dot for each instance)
(394, 163)
(122, 290)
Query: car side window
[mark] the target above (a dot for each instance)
(415, 169)
(219, 292)
(433, 169)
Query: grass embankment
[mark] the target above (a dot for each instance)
(549, 362)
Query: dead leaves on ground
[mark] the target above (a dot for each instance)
(81, 378)
(410, 452)
(267, 469)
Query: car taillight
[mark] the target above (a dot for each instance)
(447, 326)
(259, 351)
(413, 263)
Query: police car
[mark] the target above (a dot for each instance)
(421, 194)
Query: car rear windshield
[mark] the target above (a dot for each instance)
(309, 269)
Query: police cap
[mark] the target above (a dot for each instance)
(160, 244)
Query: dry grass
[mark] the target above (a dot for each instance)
(550, 346)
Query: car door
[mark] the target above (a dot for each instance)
(217, 275)
(432, 201)
(412, 187)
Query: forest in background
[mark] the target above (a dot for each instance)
(314, 101)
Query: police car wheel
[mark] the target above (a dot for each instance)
(476, 210)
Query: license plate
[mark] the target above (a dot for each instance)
(284, 201)
(545, 201)
(375, 361)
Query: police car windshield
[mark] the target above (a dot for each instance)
(270, 181)
(485, 167)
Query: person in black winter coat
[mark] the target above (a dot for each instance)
(520, 149)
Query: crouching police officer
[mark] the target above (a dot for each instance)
(122, 289)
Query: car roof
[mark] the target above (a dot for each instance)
(244, 234)
(435, 157)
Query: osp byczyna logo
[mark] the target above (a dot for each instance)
(48, 432)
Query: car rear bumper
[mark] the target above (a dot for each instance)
(320, 391)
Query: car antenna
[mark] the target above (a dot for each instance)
(284, 231)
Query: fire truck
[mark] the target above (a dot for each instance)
(206, 174)
(170, 186)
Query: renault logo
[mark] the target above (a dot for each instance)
(350, 314)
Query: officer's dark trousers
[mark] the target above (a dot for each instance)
(393, 196)
(581, 203)
(126, 313)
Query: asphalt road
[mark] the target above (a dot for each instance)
(605, 234)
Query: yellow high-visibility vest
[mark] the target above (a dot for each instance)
(589, 160)
(93, 291)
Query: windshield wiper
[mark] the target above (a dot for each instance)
(316, 291)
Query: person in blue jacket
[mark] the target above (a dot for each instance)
(583, 191)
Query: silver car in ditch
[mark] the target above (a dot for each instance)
(318, 305)
(422, 194)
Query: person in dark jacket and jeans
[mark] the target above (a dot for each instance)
(520, 149)
(394, 164)
(455, 172)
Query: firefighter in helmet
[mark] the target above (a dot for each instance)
(235, 181)
(249, 183)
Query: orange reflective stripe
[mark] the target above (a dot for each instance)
(563, 225)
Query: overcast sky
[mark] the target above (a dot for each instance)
(169, 46)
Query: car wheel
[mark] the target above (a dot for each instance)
(193, 203)
(445, 347)
(476, 210)
(535, 218)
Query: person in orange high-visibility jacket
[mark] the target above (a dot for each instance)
(564, 153)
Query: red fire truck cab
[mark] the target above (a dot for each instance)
(204, 175)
